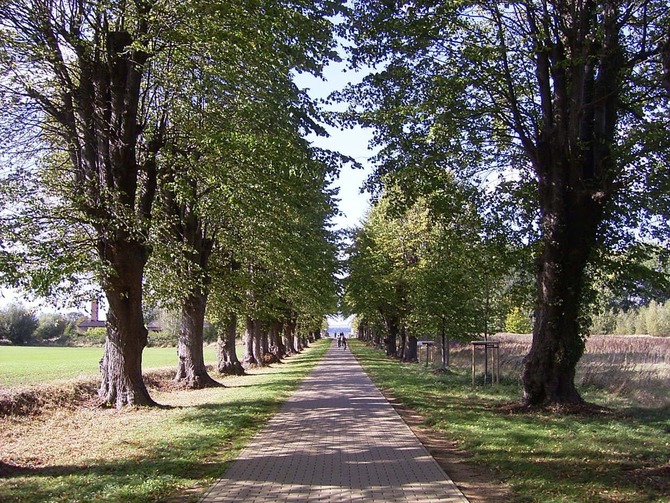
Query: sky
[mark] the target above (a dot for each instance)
(351, 142)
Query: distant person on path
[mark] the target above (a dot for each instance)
(344, 341)
(339, 340)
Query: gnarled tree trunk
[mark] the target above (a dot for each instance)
(226, 355)
(191, 369)
(121, 365)
(249, 359)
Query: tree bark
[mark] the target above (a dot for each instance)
(297, 341)
(276, 344)
(226, 355)
(390, 342)
(411, 353)
(249, 359)
(191, 369)
(403, 343)
(121, 365)
(570, 226)
(446, 346)
(287, 336)
(257, 345)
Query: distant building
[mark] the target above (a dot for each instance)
(93, 321)
(155, 326)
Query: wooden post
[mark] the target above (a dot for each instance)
(473, 365)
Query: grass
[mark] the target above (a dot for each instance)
(30, 365)
(617, 455)
(144, 454)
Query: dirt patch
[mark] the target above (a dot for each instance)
(37, 399)
(73, 394)
(657, 478)
(478, 484)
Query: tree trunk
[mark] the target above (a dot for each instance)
(403, 343)
(287, 337)
(264, 336)
(121, 365)
(249, 359)
(390, 342)
(411, 353)
(297, 342)
(576, 167)
(226, 355)
(257, 345)
(277, 347)
(445, 346)
(191, 369)
(558, 344)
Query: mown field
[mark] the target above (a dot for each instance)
(29, 365)
(173, 453)
(618, 451)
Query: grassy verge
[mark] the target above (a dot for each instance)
(143, 454)
(29, 365)
(618, 455)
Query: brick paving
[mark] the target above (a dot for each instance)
(337, 439)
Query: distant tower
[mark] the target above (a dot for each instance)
(94, 310)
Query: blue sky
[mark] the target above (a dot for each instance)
(352, 142)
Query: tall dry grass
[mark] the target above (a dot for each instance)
(635, 367)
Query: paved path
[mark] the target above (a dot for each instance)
(336, 439)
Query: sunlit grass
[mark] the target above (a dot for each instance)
(143, 454)
(620, 455)
(29, 365)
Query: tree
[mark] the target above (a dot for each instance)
(17, 324)
(51, 326)
(241, 120)
(375, 285)
(561, 94)
(80, 80)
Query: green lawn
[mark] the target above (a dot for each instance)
(144, 454)
(620, 455)
(28, 365)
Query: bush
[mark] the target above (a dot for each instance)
(517, 322)
(51, 327)
(17, 324)
(92, 337)
(163, 339)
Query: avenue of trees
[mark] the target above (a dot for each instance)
(156, 149)
(566, 100)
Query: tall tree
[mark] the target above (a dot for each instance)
(80, 77)
(564, 93)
